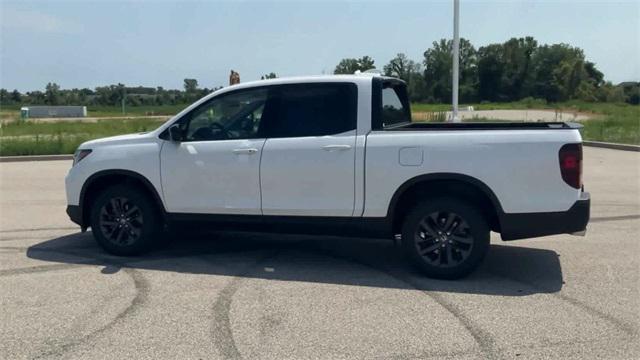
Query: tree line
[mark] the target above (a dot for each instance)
(107, 95)
(111, 95)
(517, 69)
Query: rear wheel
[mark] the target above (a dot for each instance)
(124, 221)
(445, 237)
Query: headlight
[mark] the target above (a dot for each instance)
(80, 154)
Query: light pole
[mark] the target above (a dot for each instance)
(456, 60)
(124, 99)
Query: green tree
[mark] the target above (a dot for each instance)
(4, 97)
(438, 64)
(409, 71)
(632, 92)
(557, 71)
(504, 70)
(35, 97)
(350, 66)
(491, 69)
(270, 75)
(516, 80)
(84, 94)
(52, 94)
(190, 85)
(595, 76)
(401, 67)
(16, 97)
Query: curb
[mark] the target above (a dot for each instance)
(35, 158)
(606, 145)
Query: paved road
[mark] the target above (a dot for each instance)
(229, 295)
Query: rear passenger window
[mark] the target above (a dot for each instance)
(314, 110)
(395, 107)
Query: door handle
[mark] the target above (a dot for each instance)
(250, 151)
(336, 147)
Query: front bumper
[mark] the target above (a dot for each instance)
(529, 225)
(75, 214)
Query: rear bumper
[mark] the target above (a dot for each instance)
(75, 214)
(529, 225)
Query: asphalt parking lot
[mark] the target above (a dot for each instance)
(231, 295)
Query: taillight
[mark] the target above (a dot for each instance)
(571, 164)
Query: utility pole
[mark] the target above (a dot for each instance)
(456, 60)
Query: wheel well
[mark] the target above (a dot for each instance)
(100, 182)
(460, 189)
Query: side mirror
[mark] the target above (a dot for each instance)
(175, 134)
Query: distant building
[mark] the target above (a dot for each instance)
(53, 111)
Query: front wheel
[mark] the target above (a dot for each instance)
(445, 237)
(124, 221)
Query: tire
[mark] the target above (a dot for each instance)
(125, 221)
(445, 249)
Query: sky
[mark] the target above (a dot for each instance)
(159, 43)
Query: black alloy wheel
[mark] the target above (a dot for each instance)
(446, 238)
(443, 239)
(125, 221)
(121, 221)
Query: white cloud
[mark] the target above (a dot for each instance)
(34, 21)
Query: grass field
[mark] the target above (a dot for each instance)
(102, 111)
(618, 123)
(28, 138)
(609, 122)
(12, 113)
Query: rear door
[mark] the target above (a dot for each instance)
(308, 159)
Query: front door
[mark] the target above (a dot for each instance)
(215, 169)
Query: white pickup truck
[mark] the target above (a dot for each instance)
(338, 155)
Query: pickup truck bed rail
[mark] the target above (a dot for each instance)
(418, 126)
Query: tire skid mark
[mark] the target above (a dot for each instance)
(621, 325)
(91, 260)
(142, 289)
(29, 237)
(614, 218)
(42, 268)
(40, 229)
(426, 355)
(556, 343)
(221, 331)
(46, 268)
(483, 339)
(13, 249)
(24, 249)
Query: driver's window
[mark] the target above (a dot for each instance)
(233, 116)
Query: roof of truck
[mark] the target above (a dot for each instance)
(359, 77)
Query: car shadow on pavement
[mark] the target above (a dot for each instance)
(508, 270)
